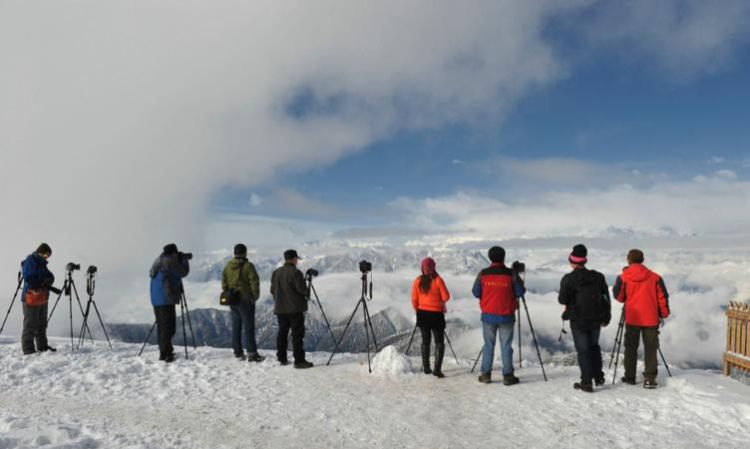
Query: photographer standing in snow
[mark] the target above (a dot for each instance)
(35, 298)
(428, 297)
(166, 275)
(240, 276)
(289, 296)
(585, 295)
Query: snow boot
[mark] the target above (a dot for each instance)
(599, 380)
(485, 378)
(303, 364)
(650, 384)
(239, 356)
(48, 348)
(255, 357)
(583, 387)
(510, 379)
(628, 380)
(169, 358)
(426, 359)
(439, 354)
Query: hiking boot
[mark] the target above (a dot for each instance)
(650, 384)
(485, 378)
(426, 359)
(510, 379)
(303, 364)
(255, 357)
(283, 362)
(169, 358)
(628, 380)
(599, 381)
(583, 387)
(439, 354)
(48, 348)
(241, 357)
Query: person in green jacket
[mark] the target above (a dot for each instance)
(240, 274)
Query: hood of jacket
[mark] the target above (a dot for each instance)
(636, 273)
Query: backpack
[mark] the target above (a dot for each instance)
(591, 304)
(233, 296)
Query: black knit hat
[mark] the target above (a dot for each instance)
(170, 249)
(578, 256)
(240, 250)
(496, 254)
(44, 249)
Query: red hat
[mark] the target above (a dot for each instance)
(428, 266)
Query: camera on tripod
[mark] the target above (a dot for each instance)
(186, 256)
(518, 267)
(311, 273)
(365, 267)
(72, 266)
(91, 270)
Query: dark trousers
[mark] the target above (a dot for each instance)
(166, 326)
(34, 328)
(427, 334)
(295, 322)
(589, 353)
(243, 325)
(650, 346)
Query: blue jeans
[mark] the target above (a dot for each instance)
(506, 346)
(589, 353)
(243, 324)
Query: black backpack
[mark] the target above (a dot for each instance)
(591, 303)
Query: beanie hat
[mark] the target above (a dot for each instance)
(44, 249)
(170, 249)
(496, 254)
(428, 266)
(240, 249)
(578, 256)
(290, 254)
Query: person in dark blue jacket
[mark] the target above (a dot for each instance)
(166, 274)
(35, 297)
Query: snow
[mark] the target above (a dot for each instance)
(102, 398)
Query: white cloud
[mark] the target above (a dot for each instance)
(256, 200)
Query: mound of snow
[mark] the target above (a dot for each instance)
(391, 362)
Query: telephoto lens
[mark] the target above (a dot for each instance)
(188, 256)
(72, 266)
(311, 273)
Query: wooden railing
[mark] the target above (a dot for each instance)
(737, 356)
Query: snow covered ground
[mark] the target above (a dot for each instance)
(102, 398)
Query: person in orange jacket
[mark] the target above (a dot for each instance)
(646, 306)
(428, 297)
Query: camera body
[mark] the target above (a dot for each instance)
(72, 266)
(186, 256)
(92, 269)
(365, 266)
(311, 273)
(518, 267)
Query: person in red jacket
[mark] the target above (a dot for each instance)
(646, 306)
(428, 297)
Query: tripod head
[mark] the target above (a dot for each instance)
(91, 280)
(20, 272)
(367, 291)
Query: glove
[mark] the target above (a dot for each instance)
(661, 322)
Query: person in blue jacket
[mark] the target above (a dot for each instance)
(166, 274)
(35, 297)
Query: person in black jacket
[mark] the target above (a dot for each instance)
(289, 295)
(35, 297)
(585, 295)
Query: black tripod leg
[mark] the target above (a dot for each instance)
(336, 348)
(10, 307)
(450, 345)
(477, 360)
(49, 316)
(520, 346)
(147, 338)
(408, 347)
(81, 334)
(80, 306)
(190, 323)
(533, 335)
(367, 336)
(322, 312)
(96, 309)
(618, 345)
(665, 362)
(372, 329)
(617, 337)
(184, 333)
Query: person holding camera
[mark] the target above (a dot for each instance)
(290, 303)
(166, 275)
(240, 276)
(428, 297)
(35, 298)
(646, 307)
(498, 288)
(585, 295)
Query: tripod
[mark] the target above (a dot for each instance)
(15, 295)
(366, 319)
(69, 287)
(448, 340)
(311, 289)
(533, 335)
(184, 311)
(617, 347)
(90, 287)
